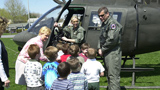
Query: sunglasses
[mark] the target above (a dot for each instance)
(101, 15)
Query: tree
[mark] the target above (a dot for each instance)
(17, 10)
(34, 15)
(5, 13)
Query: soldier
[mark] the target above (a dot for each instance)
(75, 32)
(110, 41)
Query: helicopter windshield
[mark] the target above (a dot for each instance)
(47, 19)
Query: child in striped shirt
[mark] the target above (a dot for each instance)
(62, 83)
(79, 80)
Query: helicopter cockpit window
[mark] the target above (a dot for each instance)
(62, 18)
(139, 1)
(146, 1)
(117, 16)
(95, 23)
(74, 11)
(48, 20)
(94, 20)
(79, 18)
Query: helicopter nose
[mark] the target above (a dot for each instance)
(21, 38)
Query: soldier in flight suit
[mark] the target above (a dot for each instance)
(75, 32)
(110, 47)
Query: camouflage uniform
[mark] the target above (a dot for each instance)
(77, 33)
(110, 39)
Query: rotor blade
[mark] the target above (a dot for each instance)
(60, 2)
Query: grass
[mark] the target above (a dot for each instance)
(9, 33)
(12, 50)
(149, 60)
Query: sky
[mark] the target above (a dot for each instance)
(36, 6)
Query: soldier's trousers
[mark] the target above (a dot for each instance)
(112, 61)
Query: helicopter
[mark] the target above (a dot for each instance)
(139, 18)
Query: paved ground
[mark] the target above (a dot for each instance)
(7, 36)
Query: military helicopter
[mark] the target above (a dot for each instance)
(139, 18)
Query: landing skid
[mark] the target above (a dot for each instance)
(133, 70)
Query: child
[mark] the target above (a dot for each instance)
(33, 69)
(79, 80)
(49, 72)
(62, 83)
(65, 51)
(84, 48)
(92, 69)
(74, 51)
(60, 52)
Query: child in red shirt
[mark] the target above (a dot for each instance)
(84, 48)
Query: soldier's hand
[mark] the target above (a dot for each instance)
(64, 38)
(55, 24)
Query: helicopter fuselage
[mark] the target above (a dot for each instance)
(140, 21)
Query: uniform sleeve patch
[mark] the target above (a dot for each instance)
(113, 26)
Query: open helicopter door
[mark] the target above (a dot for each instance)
(52, 36)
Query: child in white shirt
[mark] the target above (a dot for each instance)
(33, 69)
(92, 69)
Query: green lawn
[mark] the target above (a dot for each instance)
(9, 33)
(149, 60)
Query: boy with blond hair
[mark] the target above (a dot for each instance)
(49, 72)
(92, 69)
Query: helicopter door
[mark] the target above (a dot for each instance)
(93, 31)
(52, 36)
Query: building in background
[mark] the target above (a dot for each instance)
(18, 27)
